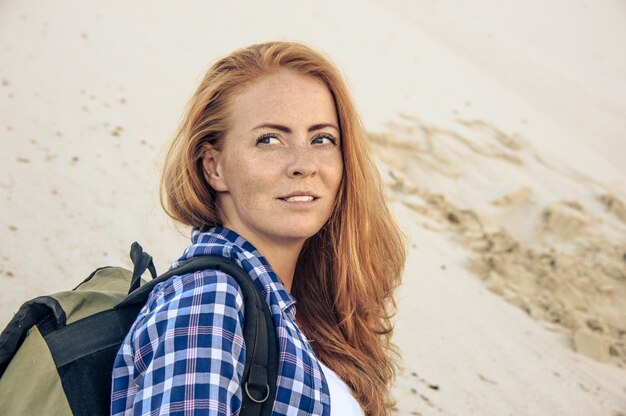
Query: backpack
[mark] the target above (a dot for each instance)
(57, 353)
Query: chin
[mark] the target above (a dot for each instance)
(300, 231)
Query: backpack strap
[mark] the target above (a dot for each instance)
(260, 373)
(141, 262)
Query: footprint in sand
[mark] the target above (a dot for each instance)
(565, 220)
(614, 205)
(117, 131)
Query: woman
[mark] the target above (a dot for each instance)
(270, 167)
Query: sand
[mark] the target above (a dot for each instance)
(499, 132)
(563, 261)
(560, 261)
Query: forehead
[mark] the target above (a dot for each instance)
(284, 96)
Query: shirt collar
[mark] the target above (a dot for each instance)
(222, 241)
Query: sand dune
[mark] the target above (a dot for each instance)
(563, 261)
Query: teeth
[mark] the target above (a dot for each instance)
(299, 199)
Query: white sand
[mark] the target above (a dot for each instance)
(523, 106)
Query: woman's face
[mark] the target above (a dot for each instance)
(280, 165)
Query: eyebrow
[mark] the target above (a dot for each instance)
(286, 129)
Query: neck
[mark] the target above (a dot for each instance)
(282, 256)
(283, 259)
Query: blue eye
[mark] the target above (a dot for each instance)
(266, 139)
(324, 138)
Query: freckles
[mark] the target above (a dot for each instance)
(253, 182)
(331, 168)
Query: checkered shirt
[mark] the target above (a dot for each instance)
(185, 353)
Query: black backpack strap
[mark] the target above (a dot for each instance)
(141, 262)
(261, 367)
(260, 373)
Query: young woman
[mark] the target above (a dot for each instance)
(270, 167)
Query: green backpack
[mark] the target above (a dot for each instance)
(57, 353)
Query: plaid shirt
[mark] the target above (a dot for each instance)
(185, 353)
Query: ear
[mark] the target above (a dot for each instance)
(212, 166)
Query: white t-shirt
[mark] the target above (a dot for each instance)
(342, 403)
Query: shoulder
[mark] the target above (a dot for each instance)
(205, 296)
(205, 286)
(190, 321)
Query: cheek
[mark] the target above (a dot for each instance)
(250, 180)
(337, 173)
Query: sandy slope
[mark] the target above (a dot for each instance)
(548, 238)
(508, 166)
(449, 324)
(469, 353)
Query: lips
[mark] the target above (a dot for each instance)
(299, 197)
(303, 198)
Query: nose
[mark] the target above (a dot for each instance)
(302, 163)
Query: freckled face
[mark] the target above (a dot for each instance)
(280, 165)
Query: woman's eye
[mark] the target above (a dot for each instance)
(267, 139)
(324, 139)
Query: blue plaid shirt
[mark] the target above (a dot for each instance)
(185, 353)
